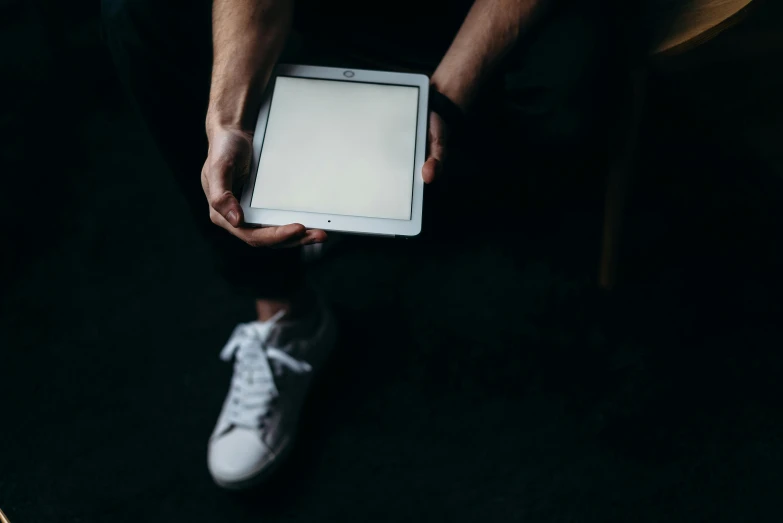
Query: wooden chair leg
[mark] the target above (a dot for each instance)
(619, 183)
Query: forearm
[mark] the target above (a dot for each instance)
(248, 37)
(488, 33)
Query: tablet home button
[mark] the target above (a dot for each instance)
(348, 74)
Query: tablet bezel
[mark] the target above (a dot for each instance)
(336, 222)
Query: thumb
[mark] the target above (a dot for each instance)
(228, 159)
(219, 181)
(431, 169)
(226, 204)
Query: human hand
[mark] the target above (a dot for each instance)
(437, 141)
(226, 167)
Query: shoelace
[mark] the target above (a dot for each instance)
(253, 386)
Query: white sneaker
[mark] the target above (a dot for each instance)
(260, 415)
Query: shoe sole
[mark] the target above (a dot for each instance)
(260, 476)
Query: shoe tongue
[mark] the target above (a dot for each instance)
(269, 336)
(268, 332)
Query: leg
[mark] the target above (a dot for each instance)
(163, 54)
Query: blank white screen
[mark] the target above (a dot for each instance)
(336, 147)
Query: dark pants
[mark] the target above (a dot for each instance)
(553, 81)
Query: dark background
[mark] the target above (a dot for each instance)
(476, 380)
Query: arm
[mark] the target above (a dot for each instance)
(488, 33)
(248, 37)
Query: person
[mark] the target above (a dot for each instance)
(548, 57)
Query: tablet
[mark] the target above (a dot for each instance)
(339, 150)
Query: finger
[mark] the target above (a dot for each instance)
(436, 150)
(271, 236)
(317, 236)
(430, 170)
(313, 236)
(436, 132)
(266, 236)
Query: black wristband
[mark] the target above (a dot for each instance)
(448, 110)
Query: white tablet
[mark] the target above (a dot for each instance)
(339, 150)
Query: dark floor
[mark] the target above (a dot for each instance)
(476, 381)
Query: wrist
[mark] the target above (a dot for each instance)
(451, 89)
(235, 97)
(239, 78)
(215, 130)
(230, 112)
(450, 113)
